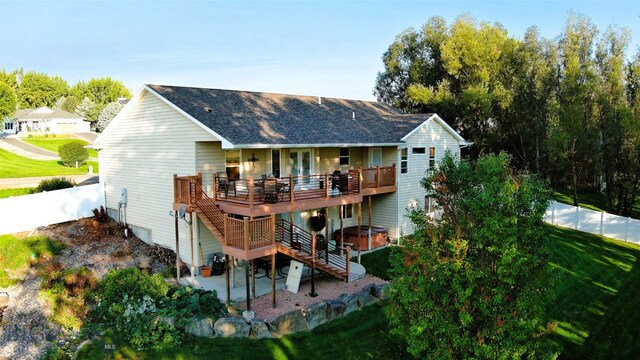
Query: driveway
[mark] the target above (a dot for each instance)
(90, 136)
(23, 148)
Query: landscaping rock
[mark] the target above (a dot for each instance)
(316, 315)
(335, 309)
(365, 298)
(4, 300)
(231, 327)
(200, 327)
(289, 323)
(350, 301)
(370, 287)
(381, 291)
(260, 330)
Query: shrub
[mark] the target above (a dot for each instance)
(71, 152)
(131, 282)
(54, 184)
(101, 215)
(186, 303)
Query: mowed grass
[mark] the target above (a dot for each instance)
(596, 306)
(16, 254)
(5, 193)
(52, 144)
(592, 200)
(361, 335)
(15, 166)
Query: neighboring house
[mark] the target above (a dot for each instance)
(46, 120)
(253, 168)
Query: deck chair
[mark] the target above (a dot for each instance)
(270, 193)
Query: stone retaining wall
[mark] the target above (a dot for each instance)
(292, 322)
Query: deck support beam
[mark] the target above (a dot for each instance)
(273, 279)
(227, 268)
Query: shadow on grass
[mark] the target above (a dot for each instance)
(596, 299)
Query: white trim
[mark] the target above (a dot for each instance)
(443, 124)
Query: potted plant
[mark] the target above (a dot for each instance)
(205, 271)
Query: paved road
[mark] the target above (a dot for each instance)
(34, 181)
(90, 137)
(28, 147)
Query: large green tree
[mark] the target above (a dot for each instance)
(101, 91)
(38, 89)
(473, 282)
(7, 102)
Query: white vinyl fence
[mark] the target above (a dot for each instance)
(595, 222)
(23, 213)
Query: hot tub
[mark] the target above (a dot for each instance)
(379, 237)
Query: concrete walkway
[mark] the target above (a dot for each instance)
(13, 183)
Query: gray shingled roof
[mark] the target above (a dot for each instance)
(245, 118)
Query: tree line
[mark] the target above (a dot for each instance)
(95, 101)
(567, 108)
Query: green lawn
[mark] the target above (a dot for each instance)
(16, 253)
(361, 335)
(14, 166)
(597, 299)
(377, 262)
(5, 193)
(592, 200)
(52, 144)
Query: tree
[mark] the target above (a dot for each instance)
(101, 91)
(73, 153)
(87, 110)
(7, 101)
(107, 114)
(38, 89)
(473, 283)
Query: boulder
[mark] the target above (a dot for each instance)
(4, 300)
(369, 288)
(200, 327)
(350, 302)
(289, 323)
(335, 309)
(231, 327)
(316, 315)
(365, 298)
(260, 330)
(381, 291)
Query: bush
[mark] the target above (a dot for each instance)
(186, 303)
(54, 184)
(133, 283)
(101, 215)
(71, 152)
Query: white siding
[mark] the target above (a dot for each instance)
(410, 193)
(209, 160)
(141, 153)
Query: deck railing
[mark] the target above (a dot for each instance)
(258, 191)
(246, 234)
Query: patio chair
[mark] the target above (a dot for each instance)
(270, 191)
(224, 184)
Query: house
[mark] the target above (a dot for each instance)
(45, 120)
(253, 171)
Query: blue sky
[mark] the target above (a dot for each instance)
(328, 48)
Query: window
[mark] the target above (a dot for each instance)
(404, 156)
(418, 150)
(275, 162)
(344, 156)
(432, 158)
(232, 163)
(347, 211)
(429, 205)
(8, 125)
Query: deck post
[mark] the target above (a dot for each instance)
(377, 176)
(226, 229)
(215, 188)
(359, 229)
(393, 174)
(359, 180)
(245, 232)
(341, 212)
(250, 189)
(291, 228)
(273, 278)
(247, 284)
(291, 191)
(326, 185)
(227, 268)
(273, 228)
(175, 187)
(253, 277)
(313, 264)
(175, 216)
(193, 268)
(348, 261)
(369, 230)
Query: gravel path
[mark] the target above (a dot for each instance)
(327, 288)
(26, 333)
